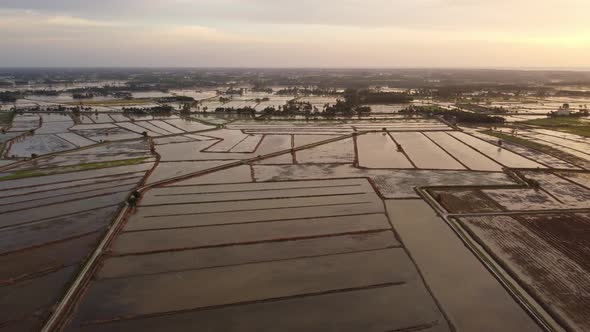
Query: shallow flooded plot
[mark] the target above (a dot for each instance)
(244, 283)
(582, 148)
(55, 229)
(341, 151)
(276, 143)
(524, 151)
(248, 144)
(168, 170)
(424, 153)
(582, 179)
(76, 139)
(466, 155)
(117, 117)
(25, 122)
(189, 151)
(172, 140)
(523, 199)
(61, 209)
(188, 125)
(107, 134)
(137, 129)
(572, 195)
(377, 150)
(166, 126)
(39, 145)
(229, 139)
(26, 305)
(373, 311)
(22, 185)
(121, 266)
(209, 236)
(465, 201)
(300, 140)
(498, 154)
(93, 126)
(54, 127)
(242, 173)
(101, 118)
(300, 251)
(398, 184)
(152, 128)
(545, 254)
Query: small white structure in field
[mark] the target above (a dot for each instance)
(564, 110)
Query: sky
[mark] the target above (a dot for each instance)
(291, 33)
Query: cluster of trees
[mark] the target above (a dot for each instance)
(308, 91)
(261, 88)
(346, 109)
(569, 93)
(86, 95)
(358, 97)
(453, 115)
(482, 109)
(122, 91)
(232, 110)
(160, 110)
(173, 99)
(9, 96)
(305, 108)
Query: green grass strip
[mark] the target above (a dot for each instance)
(67, 169)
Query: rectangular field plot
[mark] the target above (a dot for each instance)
(503, 156)
(150, 127)
(215, 235)
(229, 139)
(341, 151)
(424, 153)
(39, 144)
(251, 243)
(524, 151)
(166, 126)
(244, 283)
(545, 253)
(76, 139)
(374, 309)
(188, 125)
(247, 145)
(524, 199)
(107, 134)
(121, 266)
(469, 157)
(137, 129)
(377, 150)
(571, 194)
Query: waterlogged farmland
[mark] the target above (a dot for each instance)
(248, 208)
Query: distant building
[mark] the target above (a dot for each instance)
(564, 110)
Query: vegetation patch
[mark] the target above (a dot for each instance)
(572, 125)
(114, 102)
(21, 174)
(453, 115)
(537, 146)
(6, 119)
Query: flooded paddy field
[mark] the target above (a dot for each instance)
(52, 221)
(278, 216)
(536, 232)
(534, 249)
(247, 260)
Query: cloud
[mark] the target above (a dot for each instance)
(369, 33)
